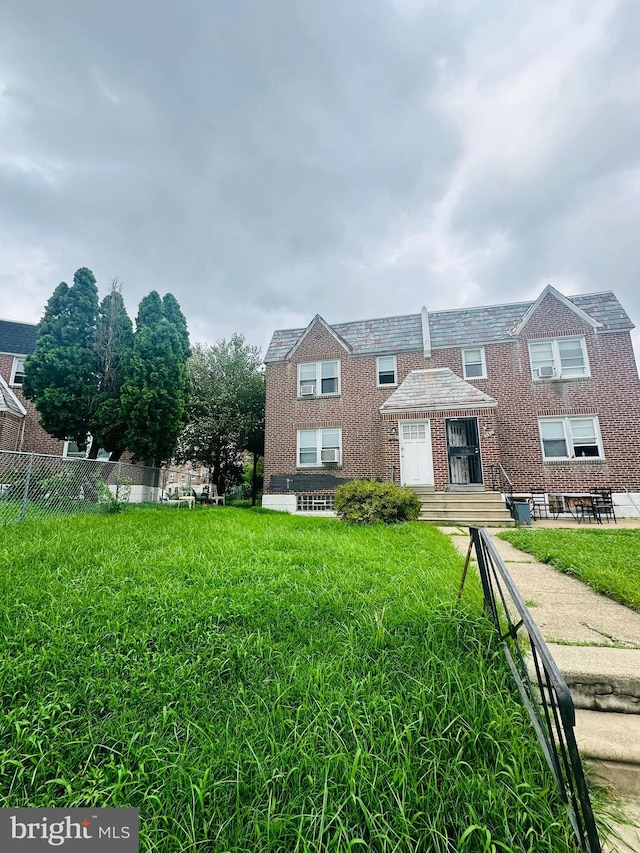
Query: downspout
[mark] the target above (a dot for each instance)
(21, 438)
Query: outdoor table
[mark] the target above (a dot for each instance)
(574, 503)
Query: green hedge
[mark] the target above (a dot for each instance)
(370, 502)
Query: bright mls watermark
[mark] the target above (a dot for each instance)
(103, 830)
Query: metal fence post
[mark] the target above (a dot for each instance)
(27, 481)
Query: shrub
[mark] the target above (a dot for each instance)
(114, 499)
(370, 502)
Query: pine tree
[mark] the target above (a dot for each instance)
(155, 387)
(61, 373)
(113, 346)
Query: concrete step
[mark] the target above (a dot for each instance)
(611, 745)
(601, 678)
(475, 508)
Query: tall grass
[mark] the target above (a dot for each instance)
(259, 682)
(607, 560)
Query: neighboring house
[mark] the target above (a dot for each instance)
(548, 390)
(20, 428)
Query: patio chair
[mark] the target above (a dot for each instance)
(215, 498)
(603, 502)
(538, 501)
(587, 509)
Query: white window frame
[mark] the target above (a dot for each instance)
(466, 363)
(572, 443)
(380, 370)
(556, 359)
(103, 455)
(17, 359)
(317, 378)
(319, 446)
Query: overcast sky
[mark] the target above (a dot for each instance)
(267, 160)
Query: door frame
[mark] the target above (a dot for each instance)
(472, 451)
(428, 445)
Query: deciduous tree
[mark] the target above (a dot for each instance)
(226, 409)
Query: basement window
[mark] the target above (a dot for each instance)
(314, 503)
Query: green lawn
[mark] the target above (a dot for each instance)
(253, 681)
(608, 560)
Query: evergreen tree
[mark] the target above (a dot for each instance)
(154, 390)
(172, 313)
(113, 345)
(61, 374)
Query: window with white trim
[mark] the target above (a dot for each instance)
(318, 447)
(72, 451)
(559, 358)
(571, 438)
(318, 378)
(474, 365)
(387, 370)
(17, 372)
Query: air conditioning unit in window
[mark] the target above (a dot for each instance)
(331, 454)
(307, 390)
(546, 372)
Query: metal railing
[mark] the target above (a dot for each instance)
(543, 689)
(34, 485)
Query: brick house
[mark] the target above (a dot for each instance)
(20, 428)
(546, 391)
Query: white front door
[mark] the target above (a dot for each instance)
(416, 460)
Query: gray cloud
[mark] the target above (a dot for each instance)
(266, 162)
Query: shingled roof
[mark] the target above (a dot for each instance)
(17, 338)
(9, 402)
(460, 327)
(436, 389)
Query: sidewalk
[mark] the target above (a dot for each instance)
(596, 644)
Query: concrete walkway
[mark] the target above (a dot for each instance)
(596, 644)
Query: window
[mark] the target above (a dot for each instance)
(72, 450)
(316, 378)
(562, 358)
(319, 446)
(314, 503)
(17, 374)
(570, 438)
(387, 370)
(473, 363)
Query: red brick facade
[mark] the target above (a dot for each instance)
(509, 433)
(29, 436)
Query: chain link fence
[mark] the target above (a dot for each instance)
(33, 485)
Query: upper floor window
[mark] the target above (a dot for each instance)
(387, 370)
(17, 374)
(319, 446)
(570, 438)
(473, 363)
(560, 358)
(317, 378)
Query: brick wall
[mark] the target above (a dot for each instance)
(509, 434)
(35, 439)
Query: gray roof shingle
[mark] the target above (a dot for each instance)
(460, 327)
(436, 389)
(18, 338)
(9, 402)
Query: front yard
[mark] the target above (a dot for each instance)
(606, 559)
(259, 682)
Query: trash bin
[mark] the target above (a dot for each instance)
(522, 512)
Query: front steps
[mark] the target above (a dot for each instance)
(473, 508)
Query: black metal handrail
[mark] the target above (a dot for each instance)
(547, 700)
(498, 480)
